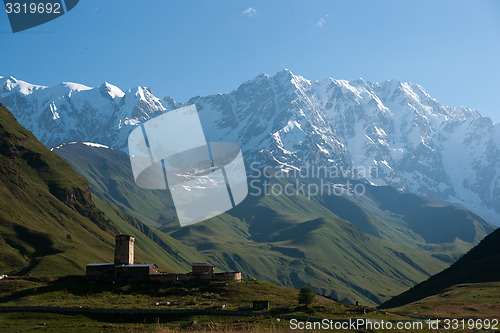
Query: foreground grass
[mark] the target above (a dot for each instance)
(51, 322)
(75, 291)
(462, 301)
(471, 300)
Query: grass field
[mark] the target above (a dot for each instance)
(471, 300)
(50, 322)
(75, 292)
(461, 301)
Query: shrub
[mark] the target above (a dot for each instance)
(306, 296)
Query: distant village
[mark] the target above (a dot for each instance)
(124, 270)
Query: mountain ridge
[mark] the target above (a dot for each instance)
(478, 265)
(414, 143)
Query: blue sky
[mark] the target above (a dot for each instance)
(187, 48)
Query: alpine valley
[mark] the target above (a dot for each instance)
(431, 193)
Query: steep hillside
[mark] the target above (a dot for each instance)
(168, 253)
(468, 300)
(110, 177)
(479, 265)
(49, 224)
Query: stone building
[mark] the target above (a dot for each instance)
(124, 250)
(260, 305)
(124, 269)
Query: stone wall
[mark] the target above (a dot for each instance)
(100, 272)
(202, 269)
(194, 278)
(131, 273)
(227, 276)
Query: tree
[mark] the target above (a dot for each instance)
(306, 296)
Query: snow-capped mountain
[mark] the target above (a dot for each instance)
(74, 112)
(411, 140)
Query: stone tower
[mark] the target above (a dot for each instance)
(124, 250)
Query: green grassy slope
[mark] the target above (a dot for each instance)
(71, 292)
(468, 300)
(49, 224)
(479, 265)
(329, 254)
(48, 220)
(435, 220)
(265, 236)
(437, 227)
(110, 177)
(168, 253)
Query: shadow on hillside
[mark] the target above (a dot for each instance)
(77, 285)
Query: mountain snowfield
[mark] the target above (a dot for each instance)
(396, 129)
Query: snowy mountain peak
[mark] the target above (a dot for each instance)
(10, 83)
(75, 86)
(111, 90)
(413, 142)
(142, 92)
(284, 73)
(286, 77)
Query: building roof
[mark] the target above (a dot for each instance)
(136, 265)
(202, 264)
(111, 264)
